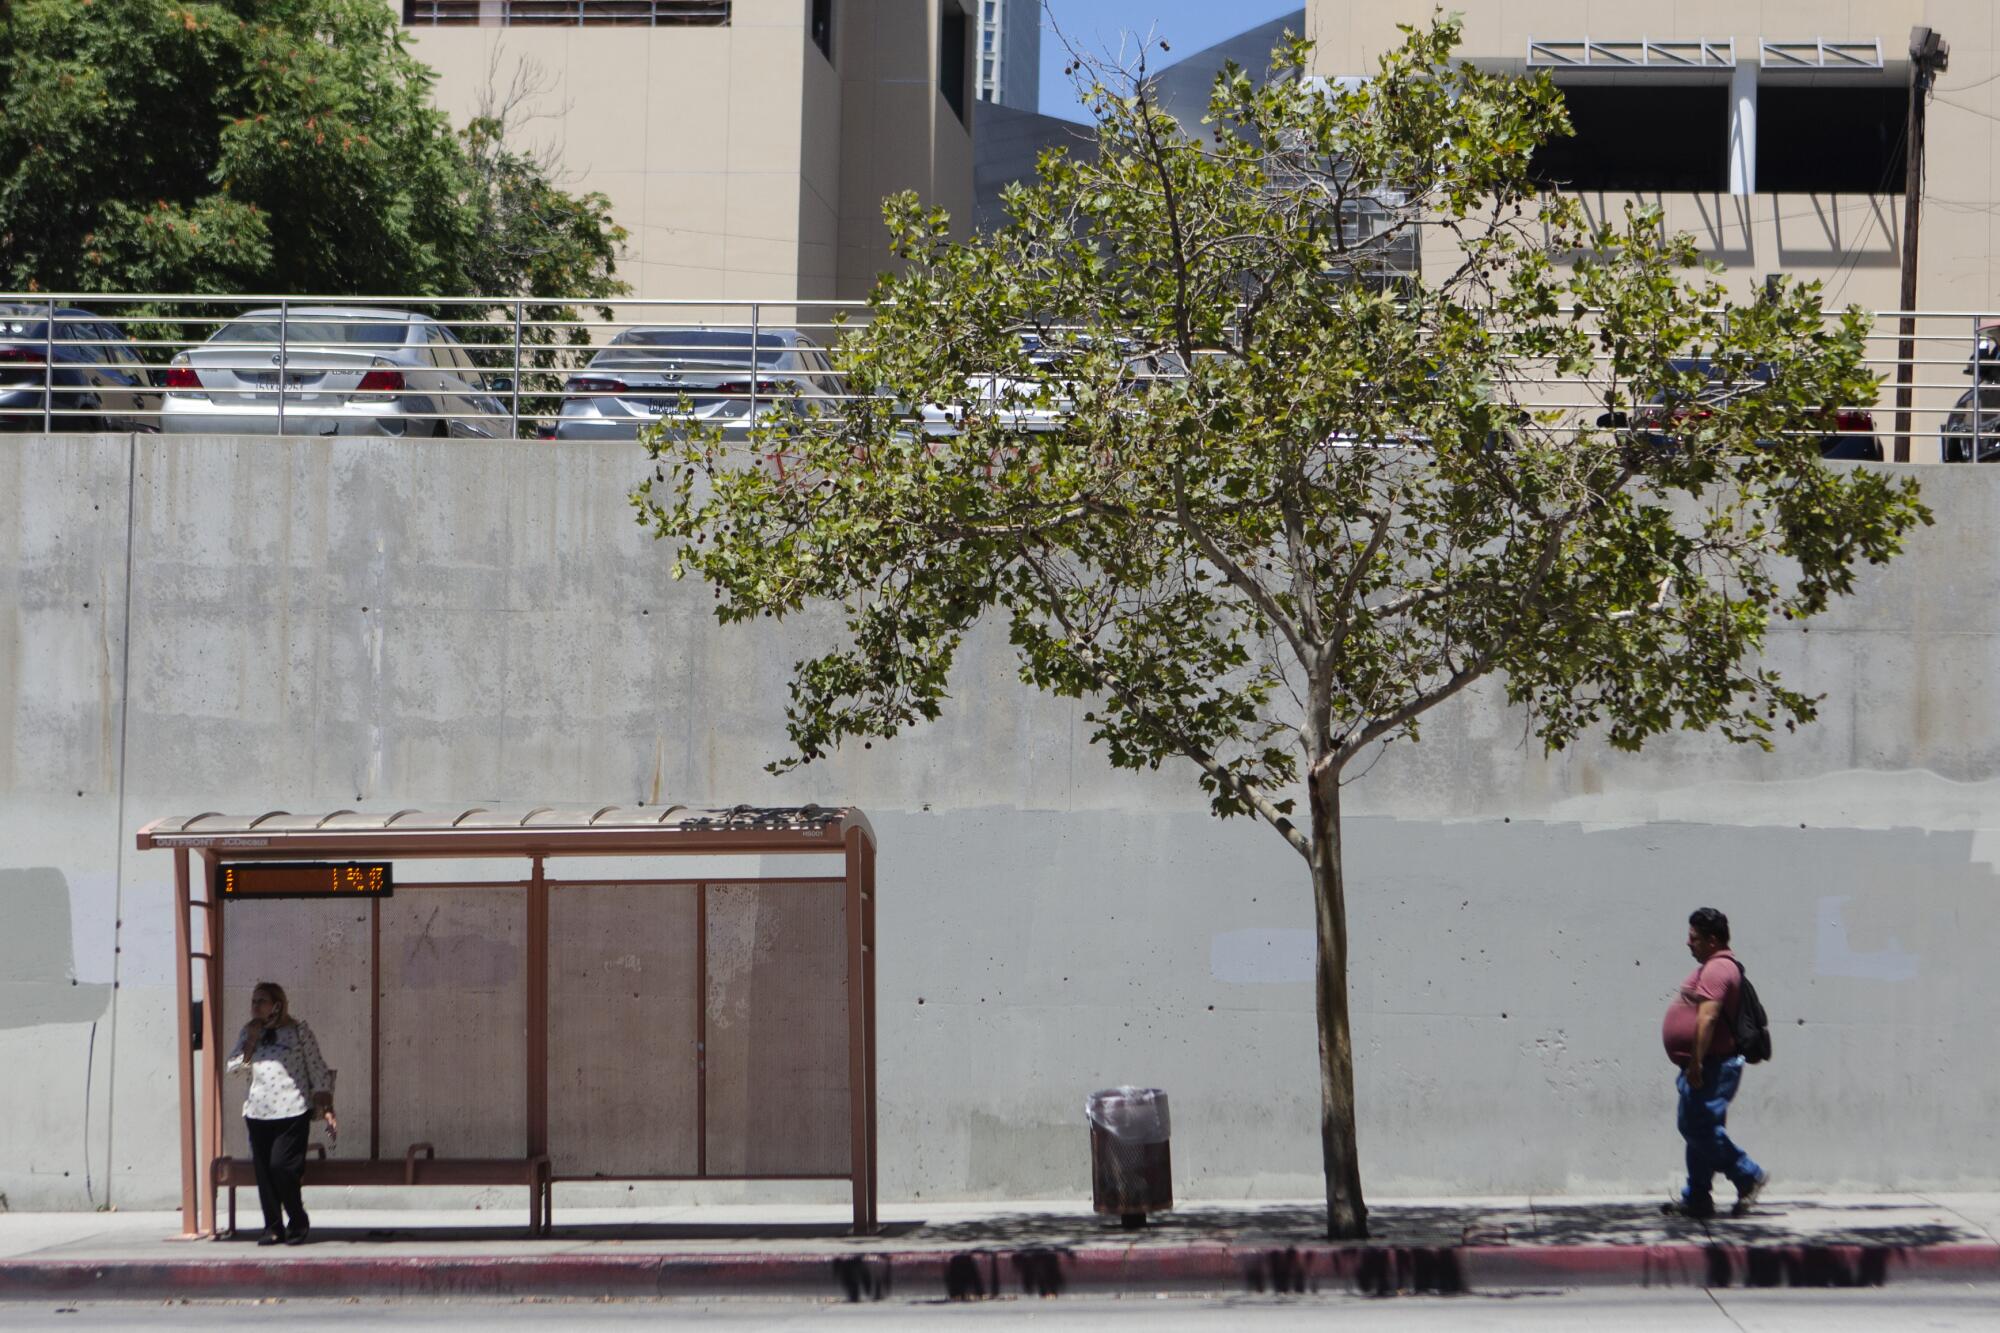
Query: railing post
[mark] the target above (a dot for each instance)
(519, 314)
(1978, 392)
(284, 355)
(1906, 352)
(49, 370)
(753, 364)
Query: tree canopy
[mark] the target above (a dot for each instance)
(225, 146)
(1264, 497)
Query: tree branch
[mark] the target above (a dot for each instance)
(1411, 710)
(1247, 788)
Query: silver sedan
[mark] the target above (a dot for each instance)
(645, 375)
(333, 370)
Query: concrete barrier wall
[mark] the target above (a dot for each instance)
(239, 624)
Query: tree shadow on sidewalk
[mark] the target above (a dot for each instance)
(1472, 1223)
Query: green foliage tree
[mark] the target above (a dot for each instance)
(224, 146)
(1340, 500)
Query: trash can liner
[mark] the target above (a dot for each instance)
(1130, 1115)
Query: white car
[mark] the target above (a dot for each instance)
(1017, 403)
(344, 371)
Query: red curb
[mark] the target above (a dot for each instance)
(1030, 1271)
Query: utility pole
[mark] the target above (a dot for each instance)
(1930, 55)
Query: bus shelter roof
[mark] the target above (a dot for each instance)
(541, 830)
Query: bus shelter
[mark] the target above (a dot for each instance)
(524, 997)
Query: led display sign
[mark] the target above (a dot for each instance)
(304, 879)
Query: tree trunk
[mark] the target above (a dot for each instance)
(1346, 1214)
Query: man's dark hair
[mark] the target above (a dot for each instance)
(1710, 923)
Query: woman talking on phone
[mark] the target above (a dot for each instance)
(288, 1079)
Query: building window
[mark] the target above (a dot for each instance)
(822, 26)
(1830, 139)
(1632, 137)
(952, 56)
(566, 13)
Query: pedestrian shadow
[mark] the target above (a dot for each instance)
(1878, 1224)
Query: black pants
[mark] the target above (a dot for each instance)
(278, 1151)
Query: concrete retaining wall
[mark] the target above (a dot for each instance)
(244, 624)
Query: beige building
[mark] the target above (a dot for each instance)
(745, 144)
(1772, 130)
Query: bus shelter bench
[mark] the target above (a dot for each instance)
(420, 1165)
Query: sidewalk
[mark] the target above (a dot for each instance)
(968, 1250)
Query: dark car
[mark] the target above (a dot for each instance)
(1967, 431)
(1962, 433)
(82, 376)
(1852, 433)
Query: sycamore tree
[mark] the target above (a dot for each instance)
(1262, 507)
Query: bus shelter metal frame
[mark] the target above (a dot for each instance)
(534, 836)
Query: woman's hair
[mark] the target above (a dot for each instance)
(277, 994)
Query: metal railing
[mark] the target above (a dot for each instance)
(494, 368)
(512, 367)
(566, 13)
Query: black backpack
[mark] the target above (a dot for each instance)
(1753, 1029)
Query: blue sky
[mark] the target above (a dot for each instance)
(1096, 25)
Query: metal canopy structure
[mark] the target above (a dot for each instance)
(1814, 55)
(1632, 53)
(1819, 55)
(530, 1028)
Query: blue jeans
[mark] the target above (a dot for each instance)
(1709, 1149)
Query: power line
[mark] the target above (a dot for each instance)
(1973, 109)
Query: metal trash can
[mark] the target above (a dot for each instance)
(1131, 1171)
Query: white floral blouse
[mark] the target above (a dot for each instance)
(285, 1071)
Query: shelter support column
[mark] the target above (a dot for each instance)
(870, 955)
(217, 1051)
(859, 1053)
(538, 1029)
(183, 993)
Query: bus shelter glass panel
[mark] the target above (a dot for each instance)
(454, 1022)
(319, 951)
(624, 1029)
(777, 1029)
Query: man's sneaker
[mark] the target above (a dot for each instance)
(1747, 1196)
(1682, 1207)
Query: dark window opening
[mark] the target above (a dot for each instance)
(822, 27)
(566, 13)
(1838, 140)
(1640, 137)
(952, 57)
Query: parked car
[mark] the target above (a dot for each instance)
(644, 374)
(86, 376)
(348, 370)
(1020, 403)
(1851, 434)
(1960, 433)
(1963, 434)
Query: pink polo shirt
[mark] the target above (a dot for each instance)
(1717, 979)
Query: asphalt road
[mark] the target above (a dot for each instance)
(1669, 1311)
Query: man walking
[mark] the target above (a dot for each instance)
(1700, 1036)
